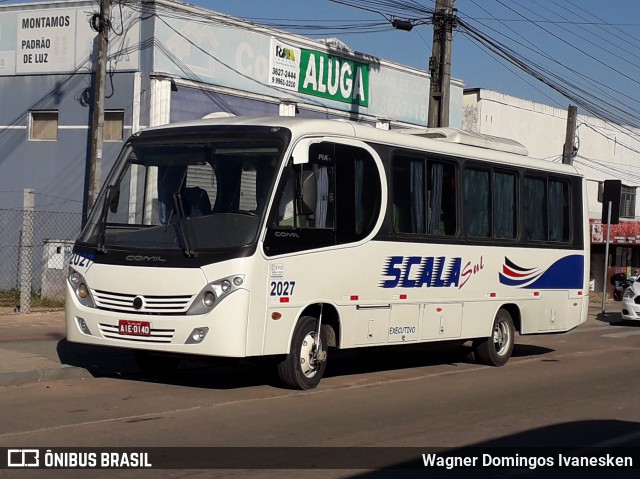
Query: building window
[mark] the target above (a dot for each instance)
(627, 201)
(43, 125)
(113, 125)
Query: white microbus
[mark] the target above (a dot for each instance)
(254, 237)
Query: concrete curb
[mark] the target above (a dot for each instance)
(20, 378)
(17, 369)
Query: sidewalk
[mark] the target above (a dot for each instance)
(33, 348)
(18, 365)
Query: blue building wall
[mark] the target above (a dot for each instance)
(55, 169)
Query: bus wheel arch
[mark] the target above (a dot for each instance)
(330, 320)
(516, 315)
(496, 349)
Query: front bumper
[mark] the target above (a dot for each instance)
(630, 310)
(226, 328)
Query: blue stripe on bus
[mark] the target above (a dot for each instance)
(566, 273)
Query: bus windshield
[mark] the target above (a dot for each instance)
(193, 195)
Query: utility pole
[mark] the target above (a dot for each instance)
(444, 20)
(569, 150)
(100, 23)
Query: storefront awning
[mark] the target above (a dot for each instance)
(625, 232)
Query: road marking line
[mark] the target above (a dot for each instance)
(588, 330)
(626, 334)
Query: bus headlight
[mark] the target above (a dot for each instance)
(79, 286)
(215, 292)
(209, 299)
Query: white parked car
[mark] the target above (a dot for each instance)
(631, 302)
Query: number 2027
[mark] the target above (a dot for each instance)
(282, 288)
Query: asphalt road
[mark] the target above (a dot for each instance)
(572, 391)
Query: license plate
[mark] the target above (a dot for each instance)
(134, 328)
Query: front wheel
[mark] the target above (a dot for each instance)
(304, 366)
(496, 349)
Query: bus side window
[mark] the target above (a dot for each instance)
(559, 230)
(306, 199)
(358, 193)
(477, 201)
(424, 196)
(443, 220)
(333, 199)
(535, 209)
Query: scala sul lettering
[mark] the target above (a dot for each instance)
(428, 271)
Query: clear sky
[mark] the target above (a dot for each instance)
(588, 48)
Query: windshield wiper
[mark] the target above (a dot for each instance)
(103, 220)
(178, 223)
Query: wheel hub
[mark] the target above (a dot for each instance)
(311, 354)
(501, 338)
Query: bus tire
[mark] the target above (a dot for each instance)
(296, 370)
(496, 349)
(155, 364)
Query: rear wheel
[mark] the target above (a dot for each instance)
(496, 349)
(155, 364)
(304, 366)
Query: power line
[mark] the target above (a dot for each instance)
(613, 33)
(591, 103)
(582, 38)
(603, 88)
(606, 39)
(623, 145)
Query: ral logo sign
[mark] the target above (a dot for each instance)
(428, 271)
(319, 74)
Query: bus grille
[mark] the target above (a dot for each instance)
(157, 335)
(139, 304)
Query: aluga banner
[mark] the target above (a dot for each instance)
(319, 74)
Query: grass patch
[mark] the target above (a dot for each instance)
(11, 299)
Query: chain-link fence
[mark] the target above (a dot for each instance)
(35, 249)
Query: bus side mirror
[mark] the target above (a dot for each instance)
(114, 201)
(307, 196)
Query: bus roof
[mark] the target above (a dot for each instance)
(447, 141)
(470, 138)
